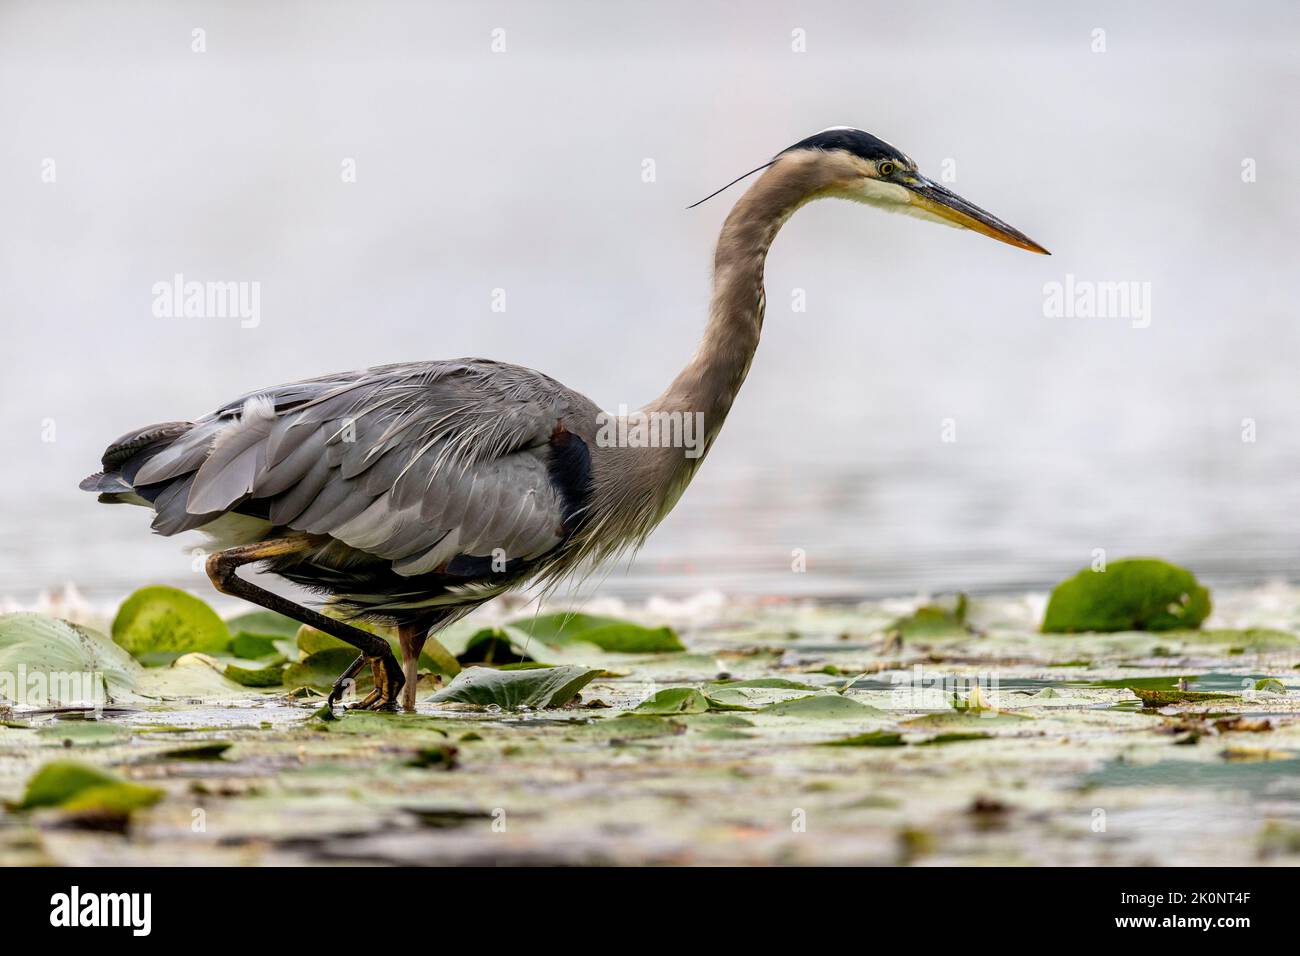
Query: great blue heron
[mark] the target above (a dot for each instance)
(412, 493)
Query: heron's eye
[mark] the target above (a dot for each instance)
(886, 168)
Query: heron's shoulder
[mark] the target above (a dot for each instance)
(486, 379)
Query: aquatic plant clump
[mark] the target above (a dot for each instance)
(1135, 594)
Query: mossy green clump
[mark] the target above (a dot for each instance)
(935, 620)
(1163, 698)
(1136, 594)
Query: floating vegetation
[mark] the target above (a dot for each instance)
(587, 737)
(1136, 594)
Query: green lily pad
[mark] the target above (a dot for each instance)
(1249, 638)
(956, 737)
(953, 718)
(78, 787)
(721, 700)
(433, 657)
(85, 733)
(158, 624)
(822, 707)
(674, 701)
(536, 687)
(877, 738)
(764, 683)
(59, 663)
(607, 633)
(270, 676)
(256, 633)
(1136, 594)
(212, 751)
(493, 645)
(364, 722)
(321, 669)
(193, 676)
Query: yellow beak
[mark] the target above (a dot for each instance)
(946, 206)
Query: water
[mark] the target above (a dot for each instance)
(523, 171)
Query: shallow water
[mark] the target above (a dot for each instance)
(1072, 434)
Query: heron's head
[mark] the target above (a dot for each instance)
(851, 164)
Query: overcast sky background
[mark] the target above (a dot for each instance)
(522, 170)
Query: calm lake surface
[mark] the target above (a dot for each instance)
(918, 417)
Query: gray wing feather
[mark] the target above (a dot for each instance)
(183, 456)
(289, 470)
(413, 463)
(286, 507)
(237, 456)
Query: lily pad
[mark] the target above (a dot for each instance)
(78, 787)
(58, 663)
(257, 633)
(270, 676)
(877, 738)
(607, 633)
(211, 751)
(1249, 638)
(674, 701)
(956, 737)
(822, 707)
(1136, 594)
(321, 669)
(158, 624)
(85, 733)
(764, 683)
(433, 657)
(194, 676)
(535, 687)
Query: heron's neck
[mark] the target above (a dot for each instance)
(707, 386)
(637, 486)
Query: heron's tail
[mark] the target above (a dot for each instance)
(126, 456)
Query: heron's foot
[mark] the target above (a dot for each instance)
(388, 684)
(344, 682)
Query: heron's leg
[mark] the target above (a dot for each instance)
(222, 568)
(411, 637)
